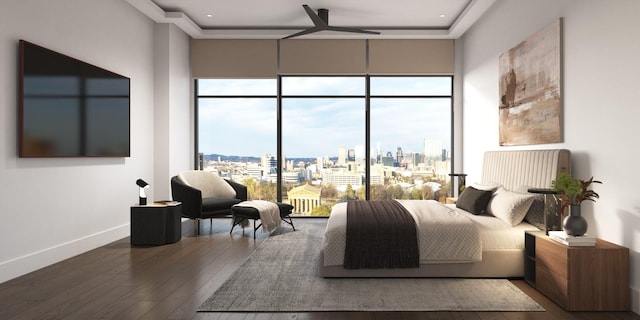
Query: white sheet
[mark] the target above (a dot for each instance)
(495, 233)
(444, 235)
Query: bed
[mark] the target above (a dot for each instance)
(495, 247)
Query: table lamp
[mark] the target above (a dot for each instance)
(143, 197)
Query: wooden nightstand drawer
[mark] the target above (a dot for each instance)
(553, 286)
(551, 256)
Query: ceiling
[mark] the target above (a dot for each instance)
(275, 19)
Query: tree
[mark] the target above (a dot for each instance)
(378, 192)
(416, 194)
(321, 210)
(427, 192)
(328, 191)
(361, 193)
(269, 191)
(396, 192)
(350, 193)
(251, 185)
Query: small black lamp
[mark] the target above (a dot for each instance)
(143, 197)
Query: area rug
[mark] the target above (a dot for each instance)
(281, 276)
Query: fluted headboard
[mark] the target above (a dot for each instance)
(530, 168)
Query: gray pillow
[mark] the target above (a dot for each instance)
(474, 200)
(535, 215)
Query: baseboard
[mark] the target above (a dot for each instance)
(635, 301)
(28, 263)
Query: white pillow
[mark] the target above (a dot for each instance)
(510, 207)
(210, 184)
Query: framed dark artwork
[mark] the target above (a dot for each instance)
(530, 104)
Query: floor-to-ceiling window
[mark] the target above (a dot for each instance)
(410, 137)
(323, 140)
(341, 138)
(236, 132)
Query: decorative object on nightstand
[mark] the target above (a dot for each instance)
(594, 278)
(143, 197)
(572, 192)
(573, 241)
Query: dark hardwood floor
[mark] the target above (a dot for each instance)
(117, 281)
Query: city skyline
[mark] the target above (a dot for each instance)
(359, 154)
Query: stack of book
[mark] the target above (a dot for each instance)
(572, 241)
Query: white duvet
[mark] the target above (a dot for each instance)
(444, 235)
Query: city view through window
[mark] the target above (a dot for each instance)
(323, 138)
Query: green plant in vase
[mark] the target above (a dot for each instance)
(572, 192)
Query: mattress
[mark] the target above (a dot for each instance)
(495, 233)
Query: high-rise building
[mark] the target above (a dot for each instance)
(388, 160)
(351, 155)
(399, 155)
(319, 164)
(342, 155)
(432, 152)
(268, 162)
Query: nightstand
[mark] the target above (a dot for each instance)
(578, 278)
(156, 224)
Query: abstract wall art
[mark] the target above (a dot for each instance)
(530, 104)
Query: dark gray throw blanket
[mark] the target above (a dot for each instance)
(380, 234)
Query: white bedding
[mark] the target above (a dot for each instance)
(495, 233)
(459, 236)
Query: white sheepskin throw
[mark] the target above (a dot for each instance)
(210, 184)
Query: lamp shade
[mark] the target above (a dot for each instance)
(141, 183)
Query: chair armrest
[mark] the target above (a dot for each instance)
(241, 190)
(191, 198)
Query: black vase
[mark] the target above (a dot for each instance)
(574, 224)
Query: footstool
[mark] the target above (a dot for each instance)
(241, 214)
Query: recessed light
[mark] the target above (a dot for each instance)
(209, 15)
(442, 15)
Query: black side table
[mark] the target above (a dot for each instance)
(552, 209)
(156, 224)
(462, 182)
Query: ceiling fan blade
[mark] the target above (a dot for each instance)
(303, 32)
(321, 22)
(344, 29)
(317, 21)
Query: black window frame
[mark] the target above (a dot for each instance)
(367, 96)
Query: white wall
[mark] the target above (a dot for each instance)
(52, 209)
(601, 96)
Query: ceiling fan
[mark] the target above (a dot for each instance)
(321, 22)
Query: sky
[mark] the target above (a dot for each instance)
(318, 127)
